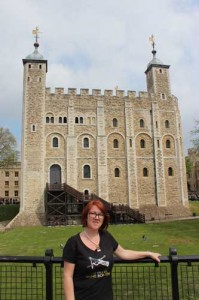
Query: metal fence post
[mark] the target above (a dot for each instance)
(174, 273)
(49, 274)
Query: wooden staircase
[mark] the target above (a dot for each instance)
(64, 205)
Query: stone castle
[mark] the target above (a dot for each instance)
(125, 148)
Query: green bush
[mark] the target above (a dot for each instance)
(8, 212)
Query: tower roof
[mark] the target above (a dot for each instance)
(35, 55)
(155, 60)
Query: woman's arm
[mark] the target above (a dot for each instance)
(68, 281)
(131, 254)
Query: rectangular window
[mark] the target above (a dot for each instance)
(6, 193)
(16, 183)
(6, 174)
(16, 174)
(6, 183)
(16, 193)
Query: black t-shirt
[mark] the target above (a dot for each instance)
(92, 273)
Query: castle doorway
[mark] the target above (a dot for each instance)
(55, 174)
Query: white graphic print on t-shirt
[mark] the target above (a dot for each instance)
(98, 261)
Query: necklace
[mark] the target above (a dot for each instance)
(90, 240)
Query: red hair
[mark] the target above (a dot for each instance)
(101, 207)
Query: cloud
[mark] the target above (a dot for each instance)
(100, 44)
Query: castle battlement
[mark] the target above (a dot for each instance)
(97, 92)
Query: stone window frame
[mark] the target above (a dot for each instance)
(7, 174)
(86, 193)
(33, 127)
(16, 174)
(79, 120)
(168, 143)
(6, 194)
(142, 144)
(167, 124)
(50, 119)
(84, 172)
(6, 183)
(117, 172)
(16, 193)
(115, 144)
(115, 122)
(163, 96)
(55, 142)
(170, 171)
(86, 142)
(145, 172)
(142, 123)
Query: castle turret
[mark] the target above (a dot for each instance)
(157, 77)
(32, 152)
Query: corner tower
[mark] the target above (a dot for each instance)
(32, 149)
(157, 76)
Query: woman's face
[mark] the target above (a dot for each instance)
(95, 218)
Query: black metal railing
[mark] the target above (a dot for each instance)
(175, 278)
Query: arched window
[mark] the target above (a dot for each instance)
(167, 125)
(130, 143)
(142, 143)
(163, 96)
(115, 122)
(81, 120)
(145, 172)
(33, 128)
(47, 119)
(115, 143)
(65, 120)
(117, 172)
(86, 194)
(55, 142)
(52, 120)
(76, 120)
(86, 142)
(87, 171)
(89, 120)
(60, 119)
(170, 171)
(168, 144)
(141, 123)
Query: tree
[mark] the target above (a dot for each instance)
(189, 165)
(8, 151)
(195, 134)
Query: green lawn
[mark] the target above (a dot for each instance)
(32, 241)
(194, 207)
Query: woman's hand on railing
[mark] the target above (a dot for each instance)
(155, 256)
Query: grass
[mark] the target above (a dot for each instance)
(194, 207)
(33, 241)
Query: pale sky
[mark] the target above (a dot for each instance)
(100, 44)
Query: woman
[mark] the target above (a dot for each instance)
(88, 257)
